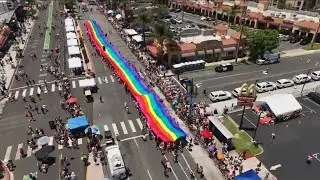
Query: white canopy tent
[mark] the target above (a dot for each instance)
(71, 35)
(281, 104)
(130, 32)
(87, 83)
(70, 29)
(74, 63)
(68, 23)
(73, 50)
(118, 16)
(72, 42)
(137, 38)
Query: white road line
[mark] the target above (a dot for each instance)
(99, 80)
(115, 129)
(135, 141)
(16, 95)
(42, 75)
(24, 93)
(106, 79)
(125, 131)
(313, 102)
(29, 151)
(149, 174)
(112, 79)
(73, 84)
(80, 141)
(233, 75)
(53, 87)
(31, 91)
(171, 168)
(184, 171)
(50, 141)
(40, 81)
(45, 89)
(132, 126)
(186, 162)
(139, 123)
(39, 90)
(249, 121)
(105, 127)
(60, 146)
(18, 151)
(8, 152)
(307, 107)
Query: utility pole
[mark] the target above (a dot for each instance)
(315, 35)
(243, 13)
(191, 102)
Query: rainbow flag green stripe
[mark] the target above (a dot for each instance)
(159, 119)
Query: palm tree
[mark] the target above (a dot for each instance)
(160, 33)
(233, 11)
(143, 20)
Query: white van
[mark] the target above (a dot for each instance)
(116, 164)
(315, 75)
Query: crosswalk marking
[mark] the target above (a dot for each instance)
(60, 146)
(99, 80)
(31, 92)
(16, 95)
(105, 127)
(115, 129)
(39, 90)
(53, 87)
(139, 123)
(112, 80)
(132, 126)
(124, 128)
(24, 93)
(29, 151)
(8, 152)
(106, 79)
(50, 141)
(73, 84)
(18, 151)
(80, 141)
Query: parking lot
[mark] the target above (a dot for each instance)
(285, 46)
(294, 141)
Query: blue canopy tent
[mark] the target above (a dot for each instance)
(77, 124)
(248, 175)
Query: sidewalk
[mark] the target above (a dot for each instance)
(94, 171)
(7, 174)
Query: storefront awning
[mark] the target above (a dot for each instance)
(210, 51)
(217, 50)
(201, 53)
(229, 49)
(73, 50)
(74, 63)
(190, 54)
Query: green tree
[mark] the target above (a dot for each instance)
(281, 4)
(233, 12)
(70, 4)
(160, 33)
(143, 21)
(260, 41)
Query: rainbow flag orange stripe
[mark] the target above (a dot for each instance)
(159, 120)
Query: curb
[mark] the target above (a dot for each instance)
(8, 172)
(24, 48)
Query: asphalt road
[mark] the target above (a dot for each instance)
(293, 142)
(141, 157)
(14, 124)
(228, 81)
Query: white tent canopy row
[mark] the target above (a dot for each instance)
(87, 83)
(68, 22)
(130, 32)
(137, 38)
(70, 29)
(118, 16)
(73, 50)
(281, 104)
(74, 62)
(71, 35)
(72, 42)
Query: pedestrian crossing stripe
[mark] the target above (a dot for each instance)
(38, 90)
(114, 129)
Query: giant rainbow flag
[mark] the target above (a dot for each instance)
(158, 117)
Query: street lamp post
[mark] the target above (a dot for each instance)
(257, 126)
(304, 83)
(243, 13)
(316, 34)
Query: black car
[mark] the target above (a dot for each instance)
(305, 41)
(178, 10)
(314, 96)
(294, 39)
(224, 67)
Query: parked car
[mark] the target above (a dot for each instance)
(202, 18)
(179, 21)
(294, 39)
(224, 67)
(177, 10)
(314, 96)
(305, 41)
(283, 83)
(285, 37)
(219, 96)
(315, 75)
(173, 21)
(236, 91)
(301, 78)
(265, 86)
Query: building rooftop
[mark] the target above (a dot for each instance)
(198, 39)
(6, 16)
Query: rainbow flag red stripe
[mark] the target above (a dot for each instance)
(159, 119)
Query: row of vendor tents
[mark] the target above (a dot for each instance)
(74, 60)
